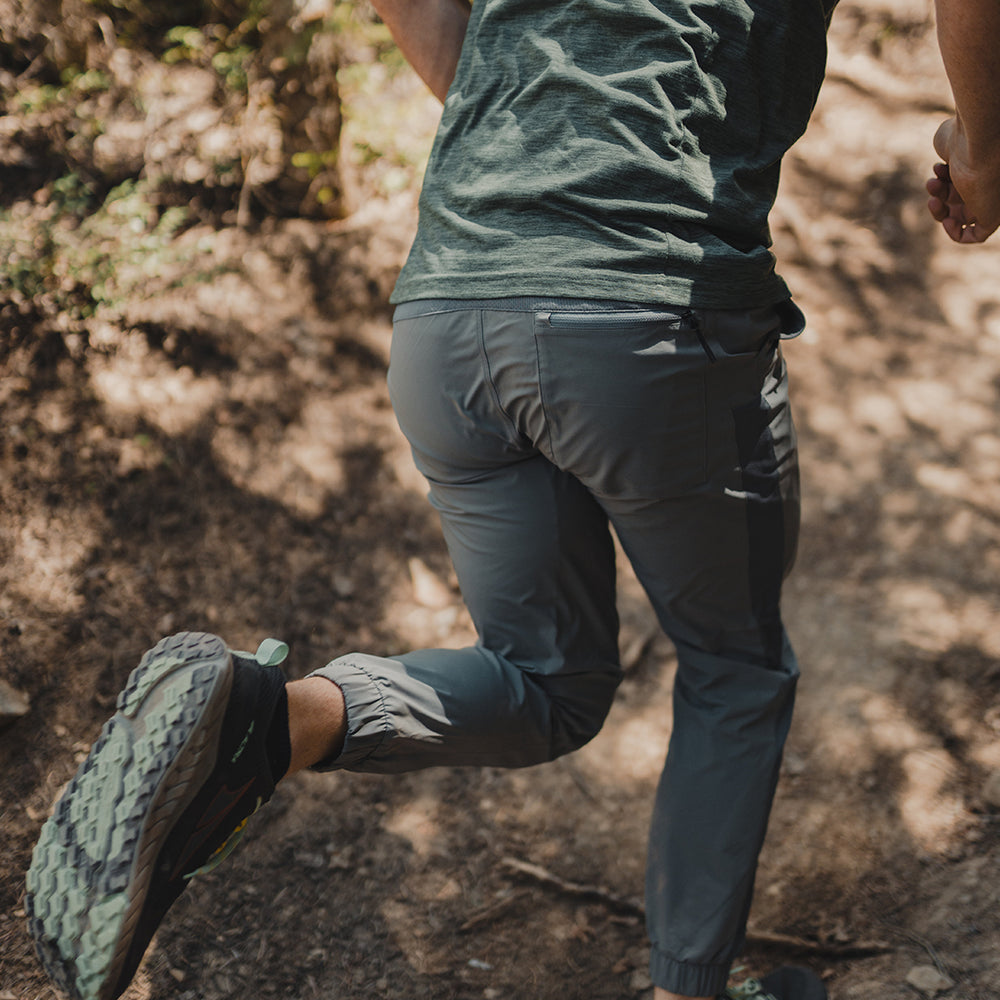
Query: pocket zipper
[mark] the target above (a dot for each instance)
(613, 320)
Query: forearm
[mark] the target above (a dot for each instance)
(429, 33)
(969, 38)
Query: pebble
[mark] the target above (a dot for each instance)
(928, 980)
(639, 981)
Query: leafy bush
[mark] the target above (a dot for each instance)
(77, 256)
(125, 121)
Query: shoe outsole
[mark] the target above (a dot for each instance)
(91, 869)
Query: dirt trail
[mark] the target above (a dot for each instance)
(228, 460)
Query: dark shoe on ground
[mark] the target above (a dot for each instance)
(787, 983)
(164, 794)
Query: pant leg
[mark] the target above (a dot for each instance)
(680, 432)
(685, 437)
(534, 558)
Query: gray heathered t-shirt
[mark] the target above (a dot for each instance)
(616, 149)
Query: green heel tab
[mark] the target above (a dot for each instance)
(271, 653)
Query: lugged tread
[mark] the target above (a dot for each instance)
(91, 865)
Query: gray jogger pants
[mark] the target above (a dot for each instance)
(536, 424)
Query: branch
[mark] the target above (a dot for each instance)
(755, 938)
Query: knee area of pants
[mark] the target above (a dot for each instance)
(576, 723)
(566, 741)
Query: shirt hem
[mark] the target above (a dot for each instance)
(708, 291)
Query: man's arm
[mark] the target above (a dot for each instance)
(430, 34)
(965, 193)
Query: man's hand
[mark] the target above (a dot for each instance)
(964, 199)
(965, 193)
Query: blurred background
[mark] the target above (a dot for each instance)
(203, 207)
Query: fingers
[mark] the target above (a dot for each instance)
(961, 213)
(939, 193)
(938, 209)
(964, 232)
(945, 203)
(955, 221)
(947, 206)
(943, 196)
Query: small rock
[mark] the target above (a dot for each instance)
(167, 624)
(340, 861)
(928, 980)
(310, 859)
(13, 704)
(639, 981)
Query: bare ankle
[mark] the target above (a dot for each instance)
(317, 721)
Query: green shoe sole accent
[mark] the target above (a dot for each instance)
(92, 864)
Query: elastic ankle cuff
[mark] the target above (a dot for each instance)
(686, 978)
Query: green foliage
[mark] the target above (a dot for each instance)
(358, 30)
(85, 81)
(232, 65)
(71, 250)
(185, 43)
(76, 84)
(35, 99)
(71, 196)
(80, 256)
(140, 22)
(124, 244)
(227, 52)
(315, 162)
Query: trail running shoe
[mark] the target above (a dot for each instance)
(787, 983)
(164, 794)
